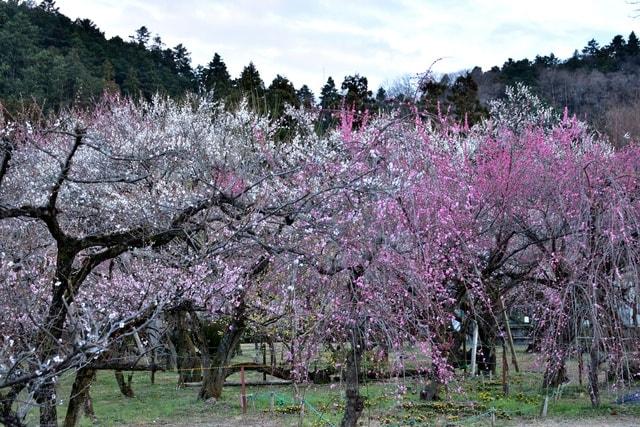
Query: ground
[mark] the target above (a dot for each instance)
(467, 402)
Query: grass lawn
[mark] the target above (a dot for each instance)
(466, 402)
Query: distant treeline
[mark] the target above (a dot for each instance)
(48, 59)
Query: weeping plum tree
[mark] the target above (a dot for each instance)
(422, 213)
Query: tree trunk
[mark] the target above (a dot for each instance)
(354, 401)
(46, 399)
(594, 392)
(187, 360)
(88, 408)
(215, 370)
(79, 396)
(125, 387)
(487, 330)
(9, 417)
(555, 377)
(62, 296)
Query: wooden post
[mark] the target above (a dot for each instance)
(464, 353)
(272, 402)
(580, 366)
(514, 359)
(243, 391)
(143, 353)
(545, 405)
(264, 361)
(505, 369)
(474, 348)
(493, 418)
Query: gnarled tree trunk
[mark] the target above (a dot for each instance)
(124, 386)
(79, 397)
(183, 326)
(215, 369)
(46, 399)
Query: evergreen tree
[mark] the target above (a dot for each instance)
(182, 61)
(357, 94)
(464, 99)
(633, 45)
(49, 6)
(330, 101)
(215, 78)
(329, 96)
(381, 99)
(131, 83)
(591, 49)
(158, 44)
(433, 94)
(618, 47)
(109, 77)
(519, 71)
(306, 97)
(279, 94)
(251, 86)
(141, 36)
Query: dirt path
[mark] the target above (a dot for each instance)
(612, 421)
(265, 421)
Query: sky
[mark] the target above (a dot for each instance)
(308, 41)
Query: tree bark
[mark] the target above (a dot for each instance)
(46, 398)
(215, 370)
(124, 386)
(79, 396)
(594, 392)
(187, 360)
(8, 417)
(354, 401)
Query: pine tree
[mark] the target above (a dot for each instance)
(141, 37)
(329, 96)
(381, 99)
(633, 45)
(618, 47)
(215, 78)
(306, 97)
(182, 61)
(464, 99)
(279, 94)
(357, 94)
(108, 78)
(49, 6)
(251, 86)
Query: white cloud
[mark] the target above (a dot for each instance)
(309, 41)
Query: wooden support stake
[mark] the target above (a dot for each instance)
(143, 353)
(474, 348)
(514, 359)
(264, 361)
(505, 370)
(545, 406)
(580, 366)
(464, 352)
(243, 392)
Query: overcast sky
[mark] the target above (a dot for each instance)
(308, 41)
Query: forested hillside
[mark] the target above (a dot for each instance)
(600, 84)
(47, 58)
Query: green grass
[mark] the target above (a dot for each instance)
(466, 402)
